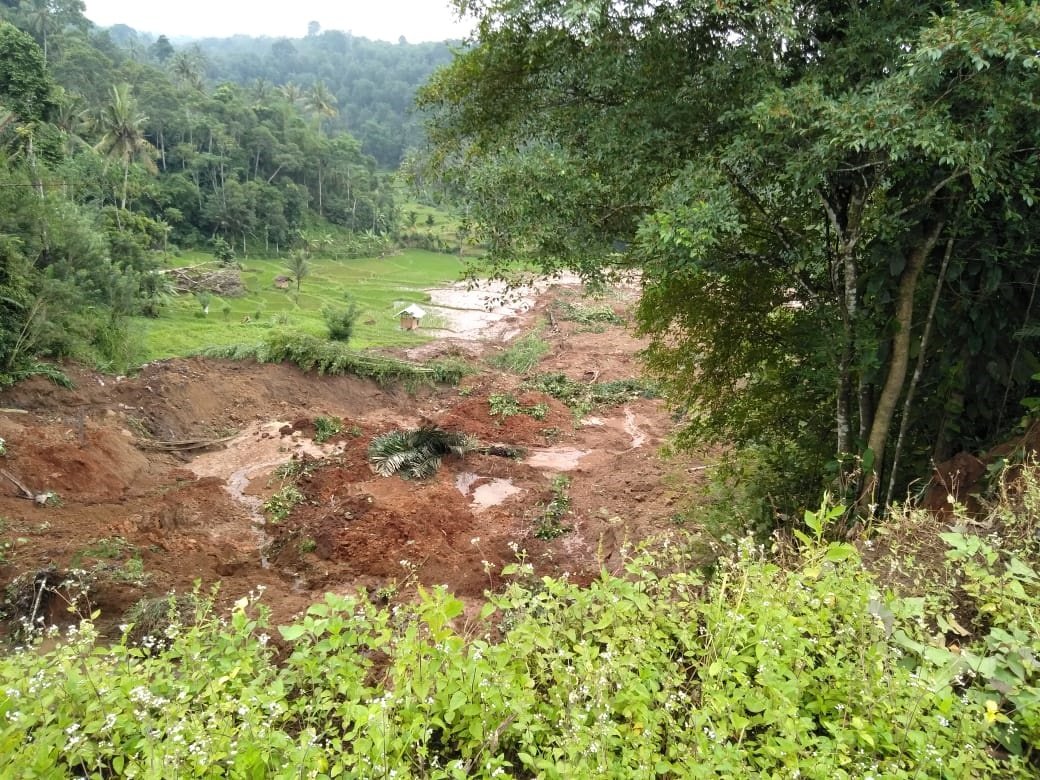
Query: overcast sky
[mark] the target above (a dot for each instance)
(416, 20)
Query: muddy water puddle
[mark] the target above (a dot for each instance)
(555, 458)
(486, 494)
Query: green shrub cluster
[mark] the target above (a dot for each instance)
(589, 314)
(325, 427)
(583, 397)
(280, 505)
(341, 321)
(333, 358)
(507, 405)
(550, 524)
(522, 355)
(759, 671)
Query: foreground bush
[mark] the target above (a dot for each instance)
(760, 672)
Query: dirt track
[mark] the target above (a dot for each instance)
(192, 517)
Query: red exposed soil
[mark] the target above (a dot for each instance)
(191, 516)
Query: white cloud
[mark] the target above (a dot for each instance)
(416, 20)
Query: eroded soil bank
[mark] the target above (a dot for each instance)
(144, 521)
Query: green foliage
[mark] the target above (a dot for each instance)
(62, 295)
(280, 505)
(334, 359)
(813, 197)
(113, 547)
(298, 266)
(223, 251)
(503, 405)
(150, 621)
(25, 86)
(326, 427)
(341, 321)
(550, 523)
(756, 489)
(583, 397)
(522, 355)
(149, 159)
(296, 467)
(588, 315)
(507, 405)
(761, 671)
(417, 453)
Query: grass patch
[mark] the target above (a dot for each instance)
(587, 314)
(583, 397)
(506, 405)
(326, 427)
(522, 355)
(550, 524)
(376, 285)
(278, 506)
(334, 358)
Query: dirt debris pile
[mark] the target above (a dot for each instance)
(270, 506)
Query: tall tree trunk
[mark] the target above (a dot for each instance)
(904, 422)
(898, 362)
(321, 212)
(844, 216)
(126, 180)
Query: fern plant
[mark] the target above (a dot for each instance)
(416, 453)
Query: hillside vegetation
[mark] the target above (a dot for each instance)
(117, 150)
(814, 669)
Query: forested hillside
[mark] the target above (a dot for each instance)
(113, 147)
(373, 82)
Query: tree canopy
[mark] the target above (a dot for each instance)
(830, 205)
(114, 148)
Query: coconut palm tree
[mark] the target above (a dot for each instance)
(298, 266)
(416, 453)
(321, 102)
(72, 119)
(123, 138)
(40, 19)
(292, 92)
(187, 67)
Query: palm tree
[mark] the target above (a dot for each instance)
(321, 102)
(260, 91)
(416, 453)
(39, 16)
(72, 119)
(187, 66)
(124, 140)
(292, 92)
(298, 266)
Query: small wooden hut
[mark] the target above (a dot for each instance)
(411, 317)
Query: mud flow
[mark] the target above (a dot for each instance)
(203, 473)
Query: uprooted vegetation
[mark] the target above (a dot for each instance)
(583, 397)
(332, 358)
(752, 669)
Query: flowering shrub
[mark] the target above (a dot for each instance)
(759, 671)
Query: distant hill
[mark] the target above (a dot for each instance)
(373, 82)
